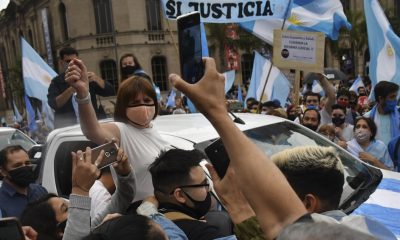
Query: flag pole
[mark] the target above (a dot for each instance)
(270, 67)
(172, 38)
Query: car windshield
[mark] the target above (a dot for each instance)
(15, 137)
(360, 178)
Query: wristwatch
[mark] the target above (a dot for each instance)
(84, 100)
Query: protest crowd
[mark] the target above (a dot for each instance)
(155, 191)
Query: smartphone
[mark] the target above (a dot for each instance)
(218, 156)
(10, 229)
(110, 154)
(190, 53)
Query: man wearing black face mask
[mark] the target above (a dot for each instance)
(343, 130)
(182, 190)
(18, 188)
(311, 119)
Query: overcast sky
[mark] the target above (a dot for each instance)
(3, 4)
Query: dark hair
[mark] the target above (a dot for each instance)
(311, 109)
(172, 168)
(371, 124)
(274, 103)
(310, 93)
(343, 92)
(325, 183)
(130, 89)
(67, 51)
(135, 60)
(128, 227)
(337, 106)
(41, 216)
(9, 150)
(384, 88)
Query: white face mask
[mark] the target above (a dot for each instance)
(141, 115)
(362, 135)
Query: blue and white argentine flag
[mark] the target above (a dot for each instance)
(384, 45)
(278, 87)
(305, 15)
(37, 78)
(384, 205)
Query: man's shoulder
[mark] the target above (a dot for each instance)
(37, 189)
(197, 229)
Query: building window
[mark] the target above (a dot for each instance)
(109, 73)
(63, 20)
(247, 67)
(159, 70)
(153, 15)
(102, 14)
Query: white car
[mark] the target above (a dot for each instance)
(11, 136)
(369, 190)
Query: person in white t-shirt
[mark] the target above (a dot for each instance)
(133, 130)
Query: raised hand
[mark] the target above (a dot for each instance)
(84, 172)
(76, 75)
(207, 94)
(122, 166)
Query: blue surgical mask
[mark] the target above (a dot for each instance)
(312, 107)
(390, 106)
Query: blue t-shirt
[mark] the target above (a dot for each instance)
(12, 203)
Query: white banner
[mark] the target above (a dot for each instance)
(227, 11)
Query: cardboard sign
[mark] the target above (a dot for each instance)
(299, 50)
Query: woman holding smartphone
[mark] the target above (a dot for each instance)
(132, 129)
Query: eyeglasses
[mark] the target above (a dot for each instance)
(206, 185)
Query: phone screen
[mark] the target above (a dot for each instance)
(10, 229)
(190, 52)
(110, 154)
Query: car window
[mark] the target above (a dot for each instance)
(15, 137)
(278, 137)
(63, 164)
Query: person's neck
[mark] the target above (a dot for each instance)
(365, 144)
(380, 109)
(20, 190)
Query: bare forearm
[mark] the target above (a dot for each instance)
(330, 93)
(276, 204)
(63, 98)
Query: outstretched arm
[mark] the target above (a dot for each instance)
(265, 187)
(329, 90)
(76, 75)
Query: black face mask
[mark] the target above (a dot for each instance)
(338, 121)
(362, 94)
(292, 117)
(312, 127)
(129, 70)
(200, 207)
(22, 176)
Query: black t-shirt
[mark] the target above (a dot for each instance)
(198, 230)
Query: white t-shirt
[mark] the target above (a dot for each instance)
(100, 198)
(142, 146)
(383, 125)
(347, 132)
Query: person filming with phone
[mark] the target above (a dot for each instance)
(56, 218)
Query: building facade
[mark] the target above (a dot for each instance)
(101, 31)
